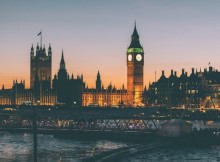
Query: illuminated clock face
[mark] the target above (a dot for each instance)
(138, 57)
(129, 57)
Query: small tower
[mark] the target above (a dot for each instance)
(3, 87)
(37, 49)
(62, 82)
(62, 62)
(62, 73)
(49, 51)
(98, 83)
(32, 51)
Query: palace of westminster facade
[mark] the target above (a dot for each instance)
(70, 90)
(196, 90)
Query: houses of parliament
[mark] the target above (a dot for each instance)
(65, 88)
(199, 89)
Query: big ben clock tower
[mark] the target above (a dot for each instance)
(135, 72)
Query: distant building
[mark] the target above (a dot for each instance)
(100, 96)
(18, 95)
(199, 89)
(5, 96)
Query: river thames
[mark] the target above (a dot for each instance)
(18, 147)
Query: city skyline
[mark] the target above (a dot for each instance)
(174, 35)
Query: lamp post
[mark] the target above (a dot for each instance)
(35, 131)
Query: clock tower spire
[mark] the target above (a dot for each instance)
(135, 42)
(135, 72)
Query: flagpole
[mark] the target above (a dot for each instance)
(41, 39)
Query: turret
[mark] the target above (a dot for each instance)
(193, 71)
(49, 51)
(98, 82)
(38, 46)
(44, 51)
(175, 73)
(32, 51)
(171, 73)
(62, 73)
(163, 73)
(145, 89)
(110, 87)
(183, 71)
(62, 62)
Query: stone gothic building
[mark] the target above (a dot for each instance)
(199, 89)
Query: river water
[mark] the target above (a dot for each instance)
(206, 154)
(19, 148)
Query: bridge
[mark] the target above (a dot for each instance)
(148, 113)
(99, 119)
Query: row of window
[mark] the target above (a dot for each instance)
(100, 97)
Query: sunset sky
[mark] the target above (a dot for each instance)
(95, 34)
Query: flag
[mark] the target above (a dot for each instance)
(209, 63)
(39, 34)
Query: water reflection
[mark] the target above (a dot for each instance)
(18, 147)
